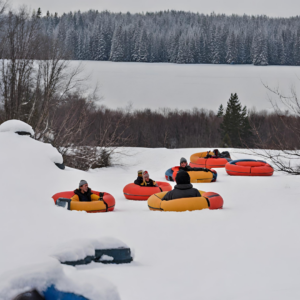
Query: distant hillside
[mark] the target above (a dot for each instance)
(178, 37)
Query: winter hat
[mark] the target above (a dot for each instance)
(182, 159)
(82, 182)
(140, 173)
(183, 177)
(145, 173)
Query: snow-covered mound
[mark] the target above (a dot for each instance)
(31, 224)
(65, 279)
(16, 126)
(22, 148)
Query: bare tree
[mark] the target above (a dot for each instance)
(283, 133)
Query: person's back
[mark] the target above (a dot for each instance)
(183, 188)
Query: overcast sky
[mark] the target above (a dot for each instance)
(275, 8)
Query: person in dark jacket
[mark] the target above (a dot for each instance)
(185, 167)
(84, 193)
(139, 179)
(146, 181)
(183, 188)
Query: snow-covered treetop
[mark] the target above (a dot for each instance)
(16, 126)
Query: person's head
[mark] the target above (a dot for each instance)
(140, 173)
(83, 186)
(183, 162)
(146, 176)
(183, 177)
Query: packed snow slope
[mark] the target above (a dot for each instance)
(248, 250)
(159, 85)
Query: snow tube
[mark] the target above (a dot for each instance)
(209, 200)
(198, 160)
(90, 207)
(51, 293)
(249, 167)
(60, 166)
(196, 176)
(105, 256)
(136, 192)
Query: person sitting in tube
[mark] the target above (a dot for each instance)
(183, 188)
(185, 167)
(84, 193)
(144, 180)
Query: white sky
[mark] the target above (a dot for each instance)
(273, 8)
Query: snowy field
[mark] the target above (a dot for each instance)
(249, 250)
(187, 86)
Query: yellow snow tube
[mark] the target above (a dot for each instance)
(182, 204)
(93, 206)
(194, 157)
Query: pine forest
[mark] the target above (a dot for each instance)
(177, 37)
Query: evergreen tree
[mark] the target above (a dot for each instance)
(220, 113)
(117, 49)
(226, 142)
(235, 123)
(143, 50)
(260, 50)
(39, 13)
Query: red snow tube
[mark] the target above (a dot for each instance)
(249, 167)
(90, 207)
(215, 200)
(136, 192)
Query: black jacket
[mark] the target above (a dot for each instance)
(182, 191)
(141, 182)
(189, 169)
(86, 197)
(138, 181)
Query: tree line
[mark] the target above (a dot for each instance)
(177, 37)
(38, 86)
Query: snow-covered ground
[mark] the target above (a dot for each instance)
(249, 250)
(157, 85)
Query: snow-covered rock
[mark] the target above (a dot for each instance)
(16, 126)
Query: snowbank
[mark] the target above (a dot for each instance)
(22, 148)
(16, 126)
(65, 279)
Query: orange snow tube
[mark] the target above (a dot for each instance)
(108, 203)
(136, 192)
(209, 200)
(249, 167)
(198, 160)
